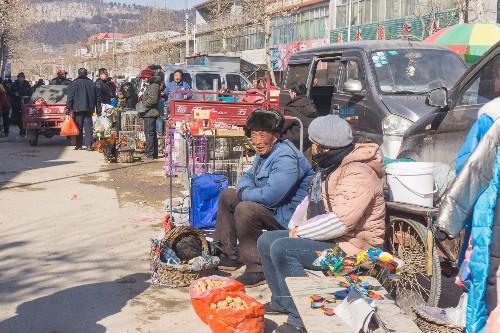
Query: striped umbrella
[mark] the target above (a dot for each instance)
(469, 40)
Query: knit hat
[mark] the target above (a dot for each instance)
(146, 74)
(330, 131)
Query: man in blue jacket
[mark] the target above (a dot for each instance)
(265, 197)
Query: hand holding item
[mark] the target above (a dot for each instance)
(293, 233)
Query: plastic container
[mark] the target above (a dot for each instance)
(411, 182)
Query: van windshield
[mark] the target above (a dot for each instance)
(416, 71)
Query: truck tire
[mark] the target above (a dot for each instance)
(33, 138)
(407, 239)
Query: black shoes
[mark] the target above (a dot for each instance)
(250, 279)
(287, 328)
(228, 264)
(78, 148)
(269, 309)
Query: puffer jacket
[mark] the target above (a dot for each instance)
(356, 195)
(470, 203)
(151, 98)
(278, 181)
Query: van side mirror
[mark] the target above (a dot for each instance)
(438, 97)
(353, 86)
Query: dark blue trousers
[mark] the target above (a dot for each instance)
(84, 121)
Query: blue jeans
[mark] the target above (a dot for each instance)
(284, 257)
(159, 125)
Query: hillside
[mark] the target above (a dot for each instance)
(57, 22)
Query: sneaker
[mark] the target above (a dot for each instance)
(78, 148)
(228, 264)
(89, 149)
(271, 310)
(251, 279)
(287, 328)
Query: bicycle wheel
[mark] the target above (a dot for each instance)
(406, 239)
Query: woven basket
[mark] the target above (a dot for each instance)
(181, 276)
(428, 324)
(125, 155)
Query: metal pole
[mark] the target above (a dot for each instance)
(170, 137)
(349, 21)
(186, 18)
(301, 135)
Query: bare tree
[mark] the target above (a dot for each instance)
(12, 15)
(228, 17)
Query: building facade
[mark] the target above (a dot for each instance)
(390, 19)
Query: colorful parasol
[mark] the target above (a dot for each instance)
(469, 40)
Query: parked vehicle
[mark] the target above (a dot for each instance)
(379, 87)
(438, 135)
(45, 112)
(201, 78)
(230, 109)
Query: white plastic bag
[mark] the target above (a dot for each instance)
(101, 124)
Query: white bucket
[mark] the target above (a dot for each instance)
(411, 182)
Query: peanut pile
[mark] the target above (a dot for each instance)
(208, 284)
(234, 303)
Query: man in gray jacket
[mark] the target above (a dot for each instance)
(148, 110)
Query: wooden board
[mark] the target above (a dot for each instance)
(316, 322)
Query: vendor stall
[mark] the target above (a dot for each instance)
(390, 317)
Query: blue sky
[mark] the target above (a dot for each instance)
(176, 4)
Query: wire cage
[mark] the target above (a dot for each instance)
(131, 122)
(132, 139)
(187, 155)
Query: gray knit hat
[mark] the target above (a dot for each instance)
(330, 131)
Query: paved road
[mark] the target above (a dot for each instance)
(74, 245)
(74, 251)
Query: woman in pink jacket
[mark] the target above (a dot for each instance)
(345, 205)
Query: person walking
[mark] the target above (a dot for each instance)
(103, 89)
(4, 109)
(18, 90)
(148, 110)
(60, 79)
(82, 101)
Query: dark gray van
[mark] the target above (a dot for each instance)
(438, 135)
(379, 87)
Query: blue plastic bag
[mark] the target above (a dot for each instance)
(205, 192)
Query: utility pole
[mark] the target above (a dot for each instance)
(186, 18)
(349, 13)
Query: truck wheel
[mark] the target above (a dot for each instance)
(407, 239)
(33, 138)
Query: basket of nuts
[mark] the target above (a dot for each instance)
(235, 312)
(200, 291)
